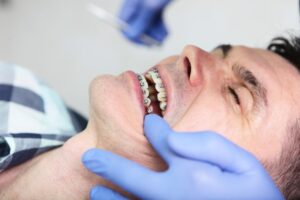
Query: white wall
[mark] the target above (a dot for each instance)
(68, 47)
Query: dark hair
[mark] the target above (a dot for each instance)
(286, 171)
(287, 48)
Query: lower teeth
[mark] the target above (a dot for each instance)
(150, 109)
(147, 102)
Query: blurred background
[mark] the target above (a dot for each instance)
(67, 47)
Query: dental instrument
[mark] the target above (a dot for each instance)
(115, 22)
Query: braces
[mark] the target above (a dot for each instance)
(153, 90)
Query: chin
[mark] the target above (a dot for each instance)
(113, 102)
(116, 117)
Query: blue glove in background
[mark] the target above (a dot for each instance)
(144, 17)
(202, 165)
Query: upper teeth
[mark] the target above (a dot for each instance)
(148, 91)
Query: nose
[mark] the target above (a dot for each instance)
(194, 61)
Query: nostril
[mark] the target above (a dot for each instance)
(188, 67)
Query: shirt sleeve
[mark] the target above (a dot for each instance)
(33, 117)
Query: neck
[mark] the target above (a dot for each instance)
(61, 174)
(57, 174)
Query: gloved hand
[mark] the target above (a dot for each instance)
(202, 165)
(144, 17)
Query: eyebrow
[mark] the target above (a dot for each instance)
(259, 91)
(225, 48)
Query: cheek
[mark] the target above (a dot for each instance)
(216, 115)
(207, 114)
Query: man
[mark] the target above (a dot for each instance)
(250, 96)
(258, 105)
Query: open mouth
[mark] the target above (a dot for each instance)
(154, 92)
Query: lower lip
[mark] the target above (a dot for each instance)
(135, 85)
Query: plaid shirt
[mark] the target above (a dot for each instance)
(33, 118)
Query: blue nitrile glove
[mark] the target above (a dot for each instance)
(202, 165)
(144, 17)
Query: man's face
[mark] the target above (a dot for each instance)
(247, 95)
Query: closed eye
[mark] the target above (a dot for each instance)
(234, 95)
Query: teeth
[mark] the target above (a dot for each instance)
(163, 106)
(150, 109)
(155, 76)
(159, 87)
(147, 102)
(145, 93)
(162, 96)
(150, 91)
(143, 82)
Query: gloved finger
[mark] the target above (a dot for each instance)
(142, 22)
(157, 130)
(100, 193)
(125, 173)
(129, 10)
(159, 31)
(212, 148)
